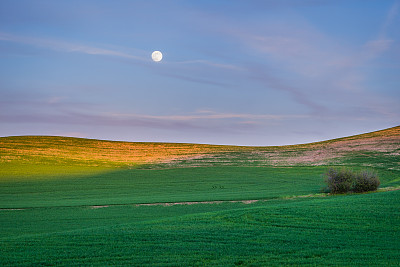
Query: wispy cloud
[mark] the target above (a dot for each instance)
(57, 110)
(390, 17)
(281, 50)
(374, 48)
(208, 116)
(209, 63)
(122, 118)
(316, 69)
(66, 46)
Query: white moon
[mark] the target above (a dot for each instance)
(156, 56)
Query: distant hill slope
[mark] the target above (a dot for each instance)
(376, 149)
(94, 152)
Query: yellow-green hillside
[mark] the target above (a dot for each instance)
(53, 154)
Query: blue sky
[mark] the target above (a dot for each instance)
(269, 72)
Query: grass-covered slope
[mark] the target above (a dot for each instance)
(376, 149)
(45, 154)
(135, 186)
(42, 155)
(60, 171)
(122, 187)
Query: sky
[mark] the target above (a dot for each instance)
(270, 72)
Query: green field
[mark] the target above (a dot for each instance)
(344, 230)
(64, 201)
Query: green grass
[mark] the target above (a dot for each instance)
(171, 185)
(357, 230)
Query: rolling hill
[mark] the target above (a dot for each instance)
(376, 149)
(118, 173)
(72, 201)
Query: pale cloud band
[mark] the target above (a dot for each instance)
(212, 116)
(64, 46)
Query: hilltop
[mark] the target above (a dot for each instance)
(370, 149)
(92, 152)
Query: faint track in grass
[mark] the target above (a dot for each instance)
(168, 204)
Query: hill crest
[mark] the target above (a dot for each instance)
(92, 152)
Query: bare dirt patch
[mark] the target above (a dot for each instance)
(167, 204)
(99, 207)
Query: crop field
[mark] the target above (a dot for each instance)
(68, 201)
(343, 230)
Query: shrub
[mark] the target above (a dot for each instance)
(339, 180)
(345, 180)
(366, 181)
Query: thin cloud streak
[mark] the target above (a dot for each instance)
(66, 46)
(319, 62)
(209, 63)
(391, 16)
(213, 116)
(91, 50)
(121, 117)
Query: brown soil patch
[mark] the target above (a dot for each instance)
(99, 207)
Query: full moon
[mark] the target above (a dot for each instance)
(156, 56)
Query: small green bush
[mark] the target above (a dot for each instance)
(366, 181)
(339, 180)
(344, 180)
